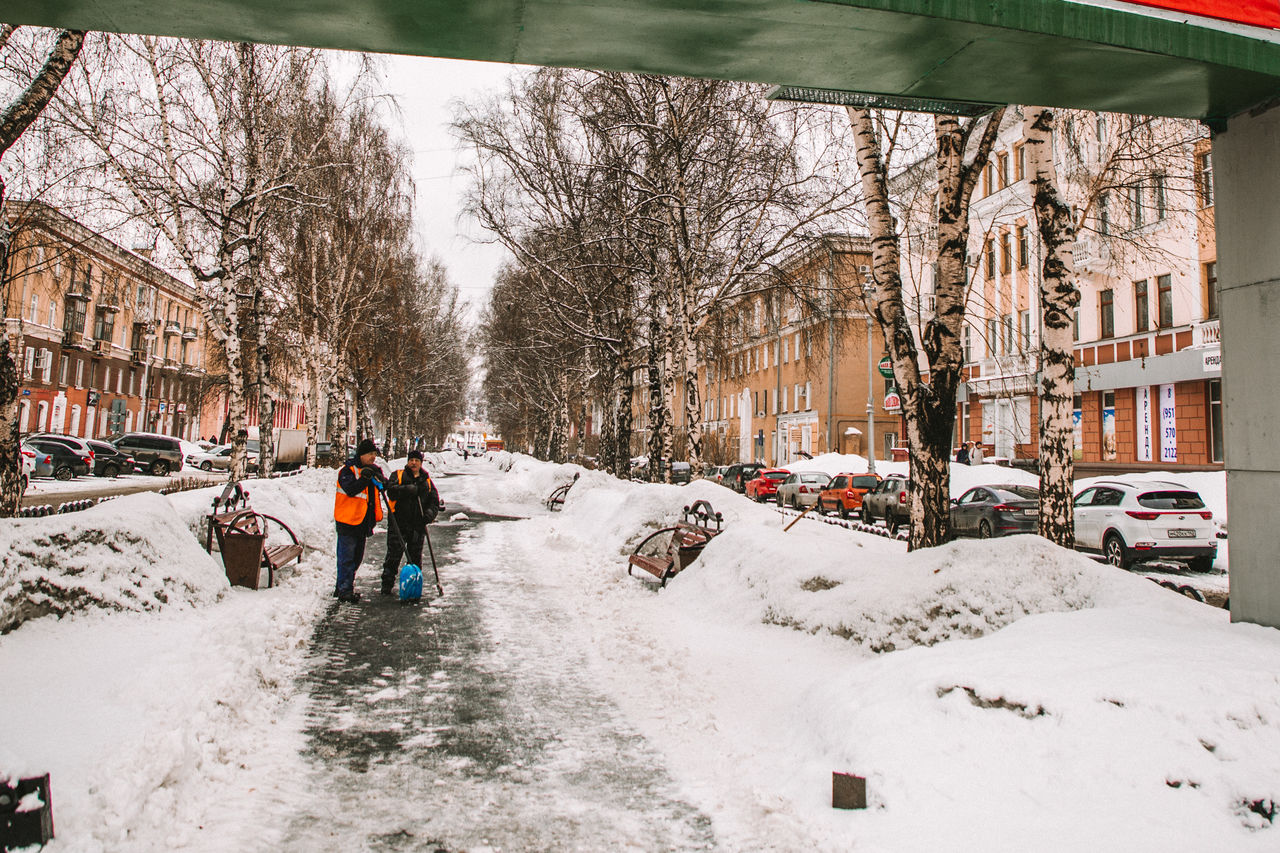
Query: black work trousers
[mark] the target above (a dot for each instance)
(406, 542)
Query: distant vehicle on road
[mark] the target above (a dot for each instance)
(215, 458)
(888, 501)
(1130, 522)
(493, 444)
(290, 448)
(152, 452)
(66, 462)
(997, 510)
(109, 461)
(845, 492)
(801, 491)
(79, 445)
(765, 484)
(736, 476)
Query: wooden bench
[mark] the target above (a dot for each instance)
(242, 537)
(667, 552)
(555, 500)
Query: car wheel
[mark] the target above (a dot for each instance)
(844, 512)
(206, 465)
(778, 500)
(160, 468)
(111, 471)
(866, 515)
(892, 524)
(795, 502)
(63, 472)
(984, 529)
(1113, 551)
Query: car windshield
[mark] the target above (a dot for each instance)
(864, 482)
(1170, 500)
(776, 475)
(1026, 493)
(814, 478)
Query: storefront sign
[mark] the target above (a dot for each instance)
(1144, 424)
(1213, 361)
(1168, 425)
(886, 367)
(182, 408)
(162, 407)
(892, 402)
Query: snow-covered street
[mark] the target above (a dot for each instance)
(998, 694)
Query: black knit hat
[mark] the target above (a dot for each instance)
(366, 446)
(415, 454)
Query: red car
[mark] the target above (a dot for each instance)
(765, 485)
(844, 493)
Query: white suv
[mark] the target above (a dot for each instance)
(1129, 522)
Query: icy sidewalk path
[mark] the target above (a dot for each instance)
(472, 723)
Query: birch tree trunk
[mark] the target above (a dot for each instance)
(622, 405)
(1059, 296)
(313, 410)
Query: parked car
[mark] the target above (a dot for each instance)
(801, 490)
(66, 462)
(765, 484)
(845, 492)
(218, 458)
(997, 510)
(108, 461)
(26, 466)
(1129, 522)
(888, 500)
(737, 476)
(79, 446)
(153, 453)
(42, 460)
(681, 472)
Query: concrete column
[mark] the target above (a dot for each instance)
(1247, 212)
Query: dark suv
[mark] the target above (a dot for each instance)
(888, 500)
(108, 461)
(737, 476)
(156, 454)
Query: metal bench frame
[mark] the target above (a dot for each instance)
(668, 551)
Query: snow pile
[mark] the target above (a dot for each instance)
(303, 501)
(863, 589)
(132, 553)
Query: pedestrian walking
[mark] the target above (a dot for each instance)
(415, 503)
(975, 455)
(962, 455)
(356, 509)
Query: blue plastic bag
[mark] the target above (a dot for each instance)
(410, 583)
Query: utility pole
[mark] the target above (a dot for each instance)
(871, 403)
(831, 348)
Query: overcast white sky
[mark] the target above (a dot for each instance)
(424, 88)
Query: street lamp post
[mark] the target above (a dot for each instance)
(871, 404)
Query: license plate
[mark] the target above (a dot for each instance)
(1030, 511)
(1182, 534)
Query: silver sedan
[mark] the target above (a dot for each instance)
(801, 490)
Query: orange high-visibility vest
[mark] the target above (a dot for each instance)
(400, 482)
(351, 510)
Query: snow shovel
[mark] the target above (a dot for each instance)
(410, 585)
(426, 530)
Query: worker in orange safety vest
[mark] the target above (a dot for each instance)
(357, 507)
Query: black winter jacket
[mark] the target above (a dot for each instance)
(416, 498)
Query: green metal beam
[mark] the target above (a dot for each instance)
(980, 51)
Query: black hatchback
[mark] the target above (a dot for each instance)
(108, 461)
(66, 462)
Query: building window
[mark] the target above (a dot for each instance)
(1026, 330)
(1024, 248)
(968, 343)
(786, 351)
(104, 325)
(1019, 162)
(1002, 167)
(964, 422)
(1006, 253)
(1164, 293)
(1141, 310)
(53, 314)
(1211, 290)
(991, 259)
(1158, 190)
(1215, 419)
(79, 373)
(73, 317)
(35, 307)
(989, 178)
(993, 341)
(1075, 325)
(1204, 179)
(1106, 314)
(62, 370)
(1102, 135)
(1104, 216)
(784, 399)
(1008, 333)
(1135, 205)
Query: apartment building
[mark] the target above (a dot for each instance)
(794, 378)
(106, 341)
(1148, 360)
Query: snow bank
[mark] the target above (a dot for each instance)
(132, 553)
(303, 501)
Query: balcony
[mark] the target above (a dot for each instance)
(1090, 253)
(138, 356)
(73, 340)
(171, 327)
(101, 347)
(189, 333)
(1205, 334)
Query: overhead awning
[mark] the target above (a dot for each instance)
(1098, 55)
